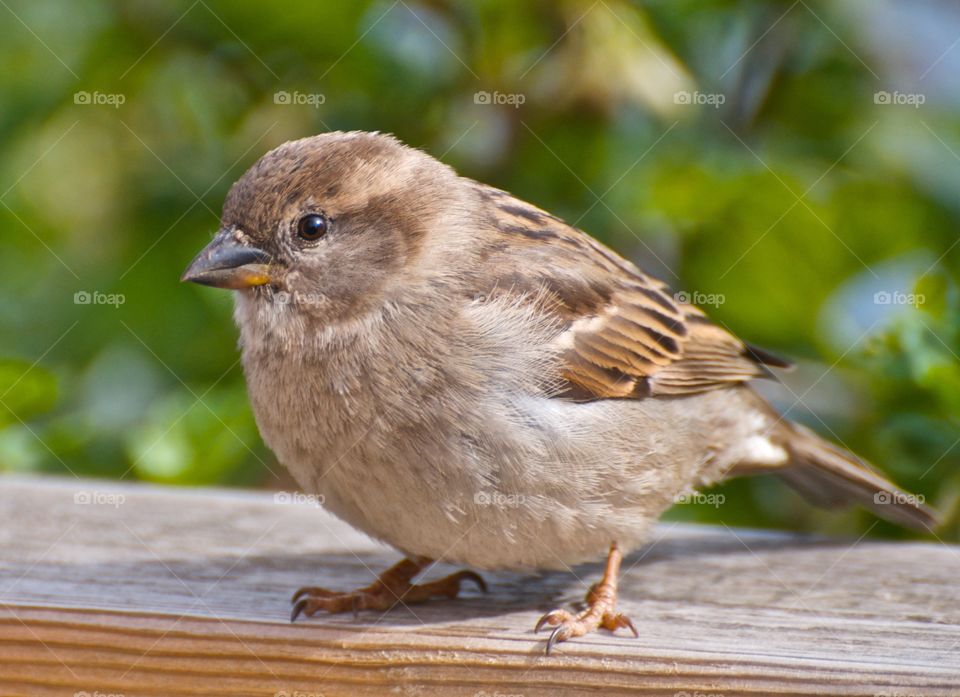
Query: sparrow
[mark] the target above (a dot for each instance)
(469, 379)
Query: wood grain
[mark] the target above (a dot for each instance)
(146, 590)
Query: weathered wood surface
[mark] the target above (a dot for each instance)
(156, 591)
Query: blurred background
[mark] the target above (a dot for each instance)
(793, 166)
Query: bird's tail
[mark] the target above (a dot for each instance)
(828, 475)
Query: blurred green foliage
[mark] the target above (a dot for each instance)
(796, 207)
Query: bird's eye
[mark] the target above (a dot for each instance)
(312, 227)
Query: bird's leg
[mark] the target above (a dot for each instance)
(392, 587)
(601, 608)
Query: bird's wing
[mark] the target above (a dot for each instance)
(626, 334)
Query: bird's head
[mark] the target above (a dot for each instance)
(326, 227)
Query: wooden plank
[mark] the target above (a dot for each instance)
(147, 590)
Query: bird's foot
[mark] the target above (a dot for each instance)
(392, 587)
(601, 609)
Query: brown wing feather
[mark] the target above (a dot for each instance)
(633, 346)
(627, 336)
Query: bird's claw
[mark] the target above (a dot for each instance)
(386, 592)
(552, 617)
(600, 612)
(594, 617)
(556, 636)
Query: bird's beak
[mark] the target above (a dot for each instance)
(226, 263)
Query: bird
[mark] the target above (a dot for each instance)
(469, 379)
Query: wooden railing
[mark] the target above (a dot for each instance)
(142, 590)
